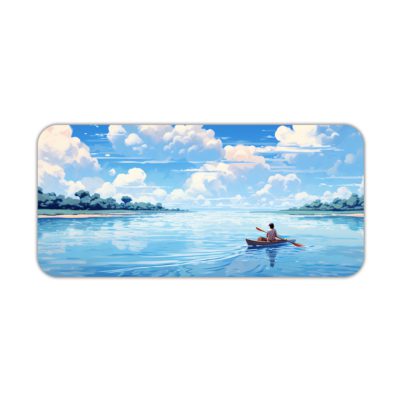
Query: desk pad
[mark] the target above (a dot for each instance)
(211, 200)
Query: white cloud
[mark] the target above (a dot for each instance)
(135, 143)
(177, 196)
(305, 136)
(264, 190)
(284, 179)
(341, 193)
(116, 133)
(91, 183)
(208, 182)
(57, 146)
(73, 187)
(134, 177)
(278, 180)
(51, 178)
(192, 142)
(112, 172)
(167, 142)
(159, 193)
(243, 153)
(107, 189)
(304, 197)
(349, 159)
(155, 132)
(133, 140)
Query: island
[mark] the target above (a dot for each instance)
(85, 205)
(353, 206)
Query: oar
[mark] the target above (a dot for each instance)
(293, 243)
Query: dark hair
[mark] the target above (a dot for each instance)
(271, 225)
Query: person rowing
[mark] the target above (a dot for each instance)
(271, 238)
(272, 235)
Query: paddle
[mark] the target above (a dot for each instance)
(293, 243)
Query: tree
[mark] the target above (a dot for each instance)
(70, 204)
(111, 203)
(82, 193)
(126, 200)
(353, 201)
(338, 204)
(316, 204)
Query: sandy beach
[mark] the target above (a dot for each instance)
(81, 215)
(358, 215)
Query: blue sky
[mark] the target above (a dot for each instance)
(267, 166)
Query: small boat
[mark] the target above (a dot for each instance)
(265, 243)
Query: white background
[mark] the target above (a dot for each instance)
(204, 61)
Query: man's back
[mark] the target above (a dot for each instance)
(272, 234)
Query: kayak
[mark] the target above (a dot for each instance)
(264, 243)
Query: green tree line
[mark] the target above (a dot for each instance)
(353, 203)
(85, 201)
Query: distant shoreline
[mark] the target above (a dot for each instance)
(325, 213)
(55, 213)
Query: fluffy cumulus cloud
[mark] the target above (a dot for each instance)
(51, 178)
(57, 146)
(58, 150)
(280, 182)
(134, 177)
(305, 136)
(116, 133)
(131, 184)
(341, 193)
(284, 179)
(159, 142)
(107, 189)
(304, 197)
(192, 142)
(244, 154)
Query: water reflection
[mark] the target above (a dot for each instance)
(353, 223)
(272, 253)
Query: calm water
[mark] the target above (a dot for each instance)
(199, 243)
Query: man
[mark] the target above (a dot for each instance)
(272, 235)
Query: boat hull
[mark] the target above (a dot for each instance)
(264, 243)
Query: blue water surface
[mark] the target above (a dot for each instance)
(199, 243)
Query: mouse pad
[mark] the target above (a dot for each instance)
(216, 200)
